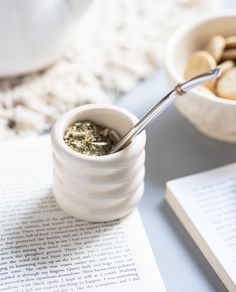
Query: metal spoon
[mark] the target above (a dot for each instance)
(179, 89)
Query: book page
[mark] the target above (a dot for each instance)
(209, 201)
(44, 249)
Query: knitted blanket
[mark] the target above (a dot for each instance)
(119, 43)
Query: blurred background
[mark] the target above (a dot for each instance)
(57, 54)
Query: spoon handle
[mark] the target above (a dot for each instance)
(180, 89)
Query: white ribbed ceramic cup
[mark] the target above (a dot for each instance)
(98, 188)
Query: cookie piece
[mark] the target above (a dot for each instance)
(226, 85)
(230, 42)
(226, 66)
(200, 62)
(229, 55)
(216, 47)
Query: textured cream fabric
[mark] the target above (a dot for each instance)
(118, 43)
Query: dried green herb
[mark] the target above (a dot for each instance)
(89, 138)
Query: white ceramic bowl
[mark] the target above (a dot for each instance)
(98, 188)
(216, 117)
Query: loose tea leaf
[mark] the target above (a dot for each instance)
(89, 138)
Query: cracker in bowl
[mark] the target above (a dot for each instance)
(226, 85)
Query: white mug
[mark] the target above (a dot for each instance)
(98, 188)
(33, 34)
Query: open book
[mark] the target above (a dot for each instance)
(44, 249)
(206, 205)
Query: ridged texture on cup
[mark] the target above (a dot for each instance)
(98, 188)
